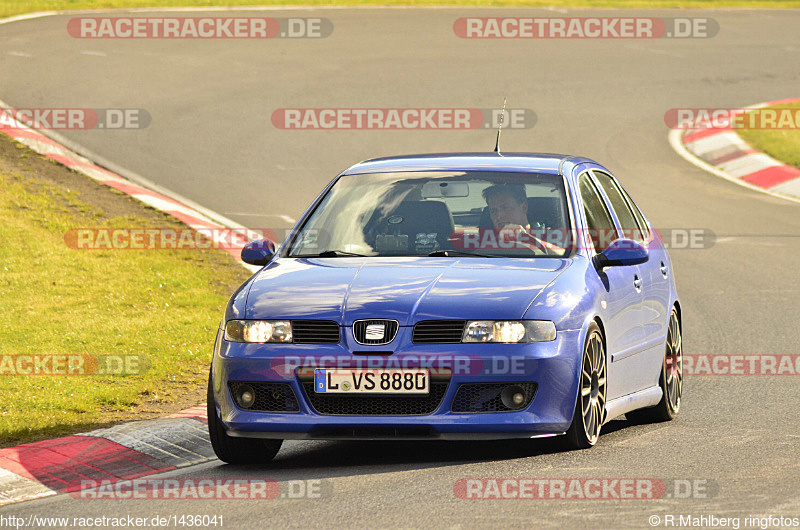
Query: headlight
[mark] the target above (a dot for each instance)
(509, 331)
(258, 331)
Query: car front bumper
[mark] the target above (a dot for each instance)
(553, 366)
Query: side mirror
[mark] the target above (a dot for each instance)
(258, 252)
(621, 253)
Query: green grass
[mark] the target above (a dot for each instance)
(16, 7)
(781, 144)
(163, 305)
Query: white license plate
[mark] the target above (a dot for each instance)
(372, 381)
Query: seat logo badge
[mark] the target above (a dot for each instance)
(375, 332)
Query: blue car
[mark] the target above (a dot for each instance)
(451, 296)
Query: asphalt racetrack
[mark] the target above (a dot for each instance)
(211, 140)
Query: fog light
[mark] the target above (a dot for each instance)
(513, 397)
(245, 396)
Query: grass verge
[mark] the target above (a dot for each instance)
(781, 144)
(162, 306)
(15, 7)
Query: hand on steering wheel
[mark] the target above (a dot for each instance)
(522, 238)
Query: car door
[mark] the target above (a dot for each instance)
(645, 366)
(622, 317)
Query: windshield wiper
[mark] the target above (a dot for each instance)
(449, 253)
(435, 253)
(332, 254)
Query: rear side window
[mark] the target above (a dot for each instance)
(638, 213)
(601, 227)
(630, 224)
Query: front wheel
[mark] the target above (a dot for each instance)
(671, 380)
(236, 450)
(590, 407)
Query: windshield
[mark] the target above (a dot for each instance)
(441, 213)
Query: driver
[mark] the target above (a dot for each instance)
(508, 209)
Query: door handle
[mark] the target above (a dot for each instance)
(637, 282)
(664, 269)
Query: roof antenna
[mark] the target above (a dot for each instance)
(500, 128)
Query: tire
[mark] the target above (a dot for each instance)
(671, 379)
(237, 450)
(590, 406)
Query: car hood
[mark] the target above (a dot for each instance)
(404, 289)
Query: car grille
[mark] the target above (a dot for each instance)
(270, 397)
(315, 332)
(485, 397)
(360, 331)
(438, 331)
(376, 405)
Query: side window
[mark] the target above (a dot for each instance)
(598, 220)
(630, 225)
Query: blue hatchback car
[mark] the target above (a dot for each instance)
(451, 296)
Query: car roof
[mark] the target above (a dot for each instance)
(506, 162)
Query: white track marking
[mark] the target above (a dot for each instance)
(676, 143)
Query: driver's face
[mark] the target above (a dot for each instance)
(505, 209)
